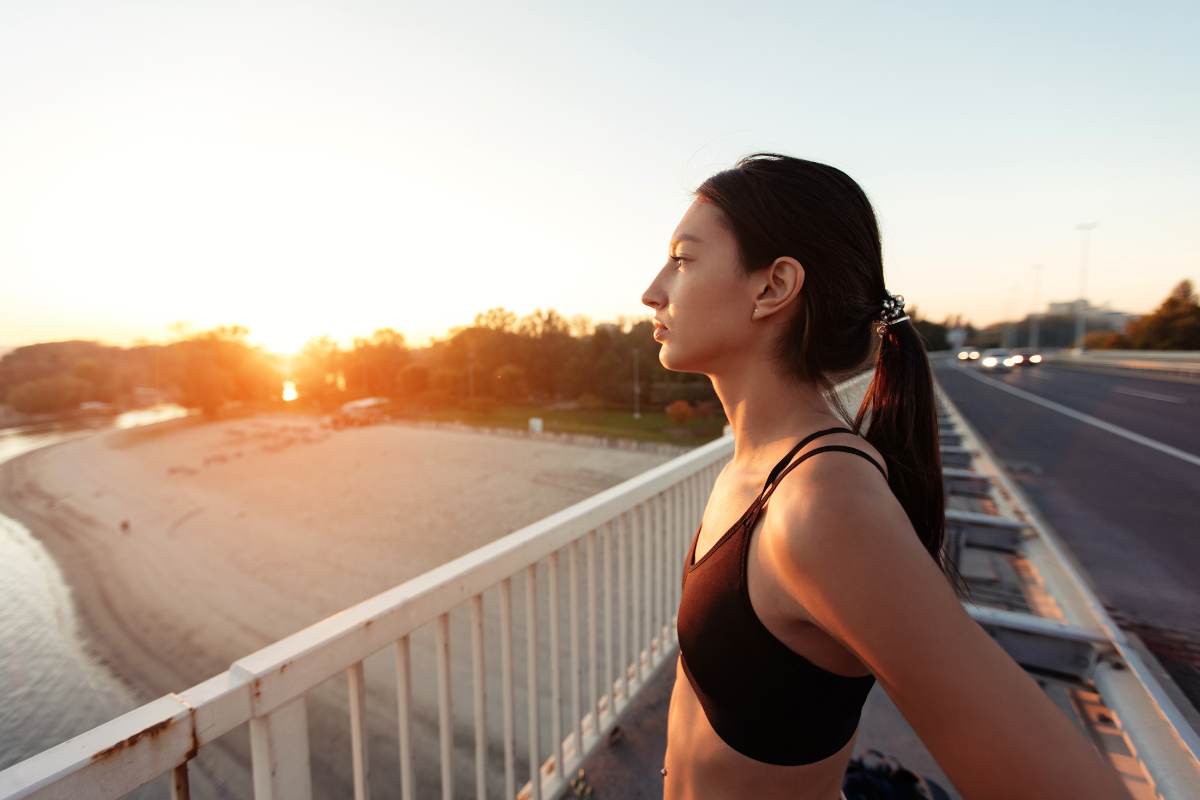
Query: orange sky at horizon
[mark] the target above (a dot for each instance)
(336, 170)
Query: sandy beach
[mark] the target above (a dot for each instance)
(189, 544)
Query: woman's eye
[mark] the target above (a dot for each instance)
(678, 261)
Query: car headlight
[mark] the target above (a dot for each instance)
(1018, 359)
(990, 361)
(1008, 362)
(1035, 359)
(974, 354)
(963, 356)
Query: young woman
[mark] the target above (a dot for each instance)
(774, 289)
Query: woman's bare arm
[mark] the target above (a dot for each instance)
(846, 552)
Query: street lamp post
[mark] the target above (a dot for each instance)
(1007, 339)
(1081, 305)
(1033, 318)
(637, 388)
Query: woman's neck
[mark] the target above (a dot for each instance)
(767, 412)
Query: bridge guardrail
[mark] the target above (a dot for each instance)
(643, 519)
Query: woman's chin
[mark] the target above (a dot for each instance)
(664, 358)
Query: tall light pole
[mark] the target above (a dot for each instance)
(470, 368)
(1033, 318)
(637, 388)
(1006, 336)
(1081, 305)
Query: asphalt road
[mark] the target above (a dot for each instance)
(1125, 500)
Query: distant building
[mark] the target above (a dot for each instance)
(1096, 316)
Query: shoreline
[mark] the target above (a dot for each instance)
(243, 531)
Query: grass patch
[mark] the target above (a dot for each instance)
(650, 427)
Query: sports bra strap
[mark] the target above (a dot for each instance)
(823, 448)
(784, 461)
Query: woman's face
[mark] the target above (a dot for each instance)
(701, 294)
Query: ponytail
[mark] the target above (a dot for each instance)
(903, 428)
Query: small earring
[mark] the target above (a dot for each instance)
(755, 314)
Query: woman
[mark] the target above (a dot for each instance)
(774, 288)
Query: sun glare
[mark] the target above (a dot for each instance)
(283, 339)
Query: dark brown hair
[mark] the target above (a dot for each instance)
(777, 205)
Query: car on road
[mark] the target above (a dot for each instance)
(968, 354)
(356, 413)
(1027, 358)
(996, 359)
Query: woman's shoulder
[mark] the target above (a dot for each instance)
(830, 509)
(829, 482)
(835, 463)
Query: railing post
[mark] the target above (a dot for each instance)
(555, 665)
(180, 788)
(623, 602)
(480, 698)
(506, 688)
(279, 750)
(573, 613)
(646, 573)
(535, 760)
(593, 634)
(445, 705)
(356, 683)
(404, 712)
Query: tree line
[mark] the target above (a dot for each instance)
(1174, 325)
(500, 358)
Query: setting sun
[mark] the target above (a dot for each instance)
(285, 337)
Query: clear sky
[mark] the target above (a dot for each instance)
(339, 167)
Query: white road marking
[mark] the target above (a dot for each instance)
(1153, 444)
(1166, 398)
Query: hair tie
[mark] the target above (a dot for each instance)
(893, 312)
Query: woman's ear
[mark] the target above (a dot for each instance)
(784, 279)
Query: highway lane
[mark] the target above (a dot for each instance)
(1167, 411)
(1129, 512)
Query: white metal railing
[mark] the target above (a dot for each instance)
(624, 547)
(1164, 737)
(642, 522)
(1188, 356)
(1169, 363)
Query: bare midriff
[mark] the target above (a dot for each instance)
(699, 764)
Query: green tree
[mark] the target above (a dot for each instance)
(1106, 340)
(50, 395)
(510, 383)
(1174, 325)
(373, 367)
(218, 367)
(316, 370)
(414, 379)
(497, 319)
(934, 333)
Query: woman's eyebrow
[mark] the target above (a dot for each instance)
(684, 237)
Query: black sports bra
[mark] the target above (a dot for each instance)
(762, 698)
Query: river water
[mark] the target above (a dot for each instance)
(50, 688)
